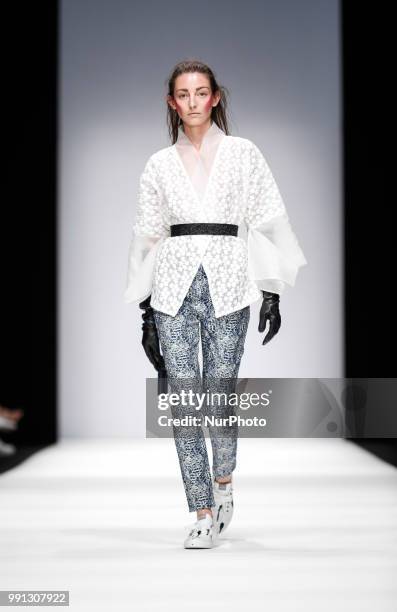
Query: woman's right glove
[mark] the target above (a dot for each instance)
(150, 339)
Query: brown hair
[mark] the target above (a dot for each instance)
(218, 113)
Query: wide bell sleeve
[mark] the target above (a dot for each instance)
(149, 231)
(274, 255)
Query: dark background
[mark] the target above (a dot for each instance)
(28, 324)
(28, 279)
(370, 320)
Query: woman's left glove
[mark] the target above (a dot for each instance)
(269, 312)
(150, 339)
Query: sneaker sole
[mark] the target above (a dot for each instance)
(197, 546)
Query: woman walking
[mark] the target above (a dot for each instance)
(195, 278)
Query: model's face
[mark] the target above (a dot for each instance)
(193, 99)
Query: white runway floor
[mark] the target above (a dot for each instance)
(315, 528)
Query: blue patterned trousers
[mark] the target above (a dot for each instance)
(222, 342)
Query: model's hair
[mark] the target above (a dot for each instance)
(218, 113)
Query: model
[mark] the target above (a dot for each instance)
(195, 277)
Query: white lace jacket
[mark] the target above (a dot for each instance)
(227, 181)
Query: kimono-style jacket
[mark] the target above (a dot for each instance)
(227, 181)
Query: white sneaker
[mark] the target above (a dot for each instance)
(7, 449)
(201, 534)
(223, 511)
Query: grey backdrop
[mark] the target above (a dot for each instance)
(280, 60)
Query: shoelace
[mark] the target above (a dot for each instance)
(224, 497)
(197, 529)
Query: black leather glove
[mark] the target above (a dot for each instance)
(150, 339)
(269, 312)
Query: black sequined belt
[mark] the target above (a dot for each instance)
(220, 229)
